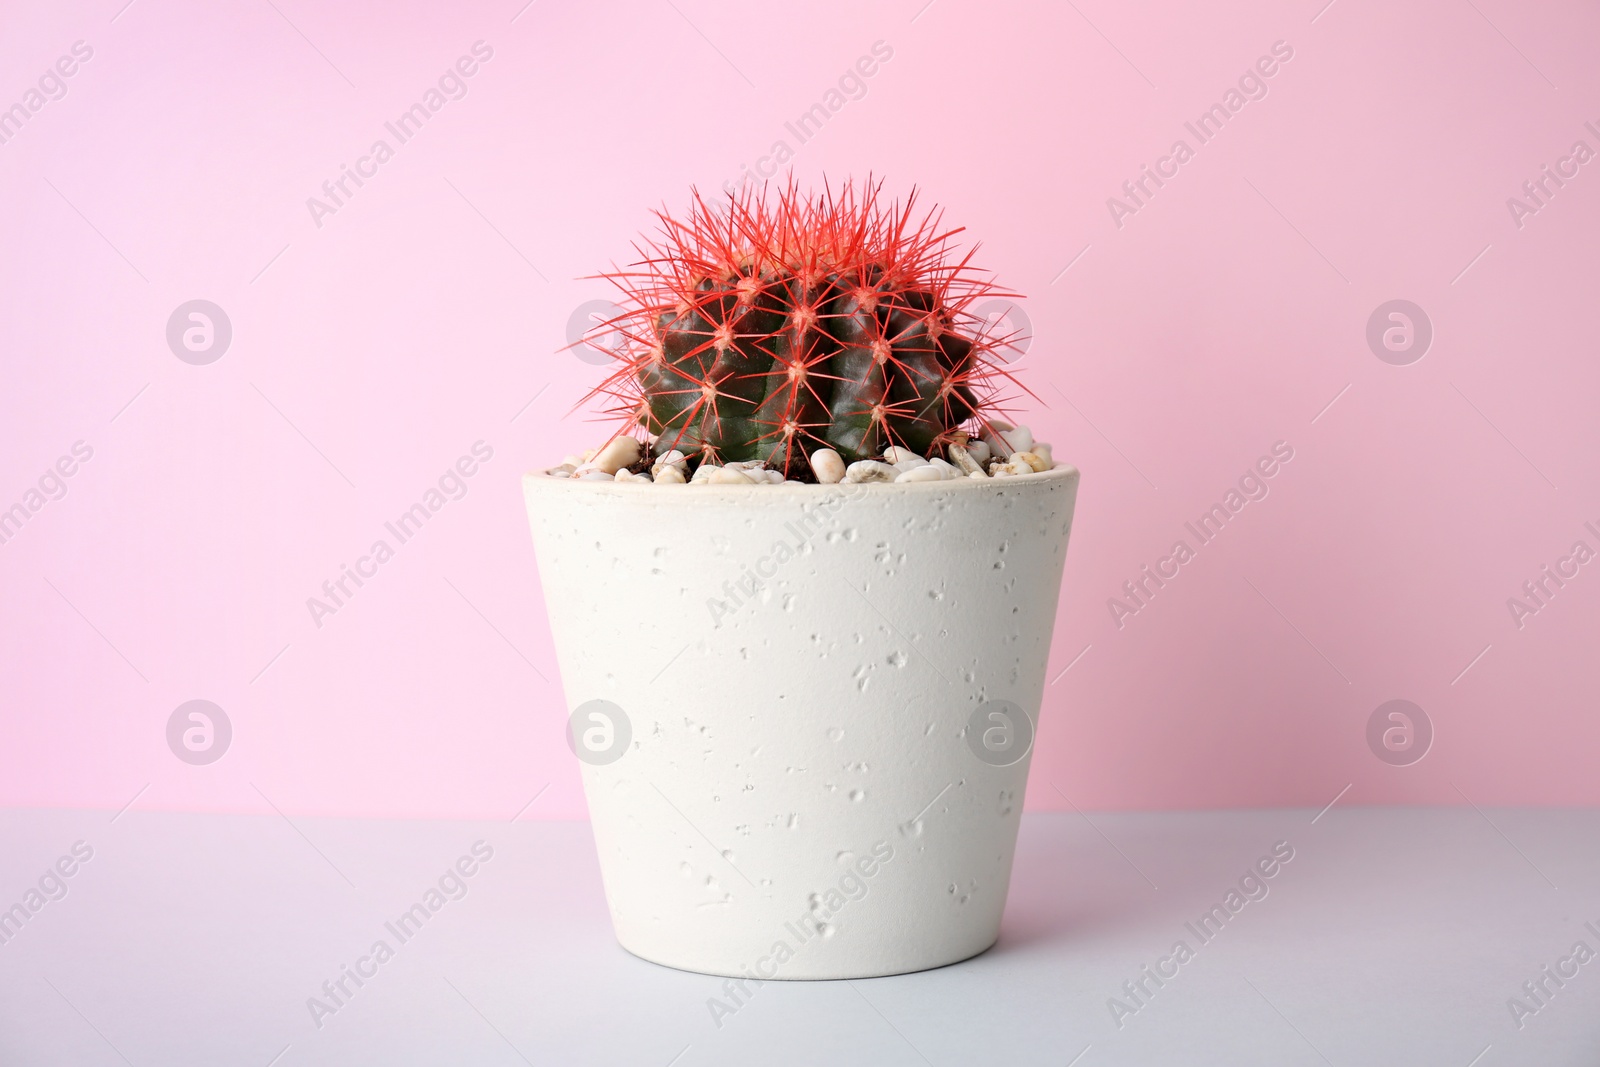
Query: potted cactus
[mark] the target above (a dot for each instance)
(803, 597)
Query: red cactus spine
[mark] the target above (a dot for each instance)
(766, 330)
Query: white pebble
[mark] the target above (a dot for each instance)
(1005, 468)
(1020, 439)
(980, 452)
(1042, 450)
(560, 472)
(596, 476)
(965, 461)
(703, 473)
(791, 481)
(729, 476)
(1017, 464)
(903, 458)
(1035, 462)
(673, 458)
(870, 470)
(626, 475)
(950, 470)
(925, 473)
(746, 465)
(671, 474)
(992, 427)
(1007, 439)
(827, 465)
(774, 477)
(621, 452)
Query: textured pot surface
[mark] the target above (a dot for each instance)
(805, 712)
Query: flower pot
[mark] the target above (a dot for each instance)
(805, 713)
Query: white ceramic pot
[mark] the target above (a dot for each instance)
(805, 712)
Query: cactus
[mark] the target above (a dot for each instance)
(764, 331)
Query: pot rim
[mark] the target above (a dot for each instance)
(724, 493)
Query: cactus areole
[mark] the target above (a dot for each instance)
(767, 327)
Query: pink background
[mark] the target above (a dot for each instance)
(426, 314)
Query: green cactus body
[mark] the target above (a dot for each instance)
(765, 335)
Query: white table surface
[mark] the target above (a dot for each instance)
(1394, 936)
